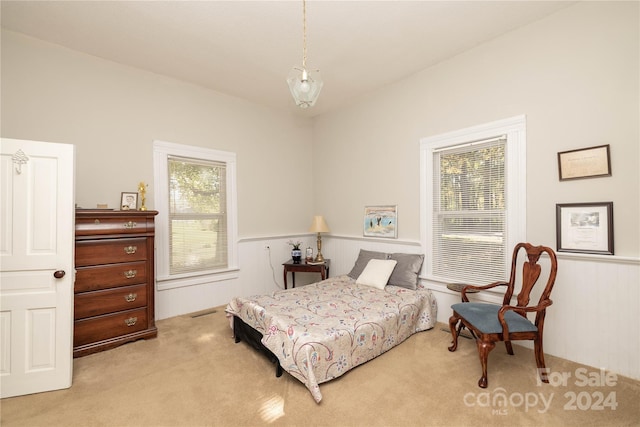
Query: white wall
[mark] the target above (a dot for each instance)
(573, 74)
(113, 113)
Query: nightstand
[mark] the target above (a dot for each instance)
(289, 266)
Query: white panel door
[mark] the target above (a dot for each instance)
(36, 266)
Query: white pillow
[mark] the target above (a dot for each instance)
(377, 273)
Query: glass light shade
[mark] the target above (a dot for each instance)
(305, 86)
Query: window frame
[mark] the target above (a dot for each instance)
(162, 150)
(515, 182)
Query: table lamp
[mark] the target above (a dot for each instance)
(319, 226)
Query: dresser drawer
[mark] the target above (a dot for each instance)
(98, 277)
(101, 328)
(86, 226)
(109, 301)
(110, 251)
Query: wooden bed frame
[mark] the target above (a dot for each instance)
(244, 332)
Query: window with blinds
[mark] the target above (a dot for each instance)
(196, 226)
(473, 201)
(197, 215)
(469, 221)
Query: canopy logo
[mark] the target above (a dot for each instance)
(595, 398)
(500, 402)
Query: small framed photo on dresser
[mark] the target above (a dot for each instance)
(129, 201)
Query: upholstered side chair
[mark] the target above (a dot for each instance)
(490, 323)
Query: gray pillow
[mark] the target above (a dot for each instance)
(363, 259)
(407, 270)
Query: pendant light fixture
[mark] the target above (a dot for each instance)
(305, 85)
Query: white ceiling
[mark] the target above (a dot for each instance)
(247, 48)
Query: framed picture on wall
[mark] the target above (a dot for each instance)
(129, 201)
(381, 221)
(589, 162)
(585, 228)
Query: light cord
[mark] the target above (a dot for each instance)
(304, 34)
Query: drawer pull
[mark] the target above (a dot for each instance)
(96, 221)
(130, 224)
(131, 321)
(129, 250)
(130, 274)
(131, 297)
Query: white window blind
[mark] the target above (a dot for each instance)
(473, 201)
(197, 215)
(196, 227)
(469, 212)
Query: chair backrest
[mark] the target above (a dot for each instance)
(530, 273)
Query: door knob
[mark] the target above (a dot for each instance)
(59, 274)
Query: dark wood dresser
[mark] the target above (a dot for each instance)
(114, 287)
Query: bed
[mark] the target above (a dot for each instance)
(320, 331)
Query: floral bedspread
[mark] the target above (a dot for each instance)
(320, 331)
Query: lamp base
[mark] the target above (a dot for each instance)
(319, 257)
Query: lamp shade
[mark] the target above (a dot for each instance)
(319, 225)
(305, 86)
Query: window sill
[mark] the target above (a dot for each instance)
(165, 283)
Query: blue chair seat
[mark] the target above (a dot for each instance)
(484, 317)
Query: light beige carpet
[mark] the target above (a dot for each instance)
(194, 374)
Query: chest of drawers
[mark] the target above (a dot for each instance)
(114, 287)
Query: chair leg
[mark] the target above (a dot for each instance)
(509, 348)
(537, 349)
(483, 351)
(454, 332)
